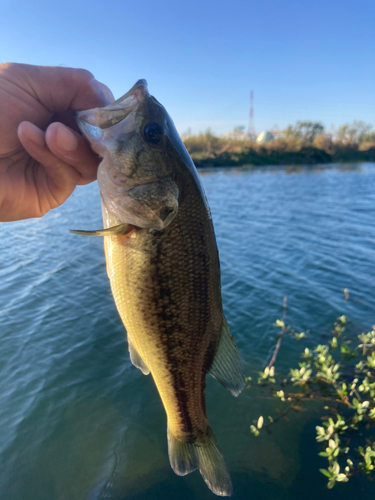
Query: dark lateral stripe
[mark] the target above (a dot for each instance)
(167, 337)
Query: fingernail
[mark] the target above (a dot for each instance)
(107, 92)
(65, 139)
(32, 133)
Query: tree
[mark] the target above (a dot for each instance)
(306, 131)
(355, 133)
(240, 129)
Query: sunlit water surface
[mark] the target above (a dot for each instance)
(78, 421)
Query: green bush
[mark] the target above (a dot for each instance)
(340, 374)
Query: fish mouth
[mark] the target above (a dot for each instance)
(115, 112)
(98, 125)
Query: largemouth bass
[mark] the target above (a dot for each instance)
(163, 266)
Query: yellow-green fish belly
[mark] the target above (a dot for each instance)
(167, 291)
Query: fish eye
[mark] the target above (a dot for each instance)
(153, 133)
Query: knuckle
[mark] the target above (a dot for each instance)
(9, 67)
(84, 75)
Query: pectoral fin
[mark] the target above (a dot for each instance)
(119, 230)
(227, 366)
(136, 359)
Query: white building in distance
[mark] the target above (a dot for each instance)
(264, 137)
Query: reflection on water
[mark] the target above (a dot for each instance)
(79, 421)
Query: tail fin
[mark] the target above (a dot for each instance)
(204, 455)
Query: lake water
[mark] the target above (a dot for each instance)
(78, 421)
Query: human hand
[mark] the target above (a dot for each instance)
(43, 157)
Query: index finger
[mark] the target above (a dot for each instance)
(57, 88)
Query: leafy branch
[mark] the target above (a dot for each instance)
(343, 378)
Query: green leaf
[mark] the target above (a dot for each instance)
(342, 478)
(254, 430)
(325, 472)
(331, 484)
(335, 468)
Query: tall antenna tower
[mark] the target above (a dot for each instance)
(251, 129)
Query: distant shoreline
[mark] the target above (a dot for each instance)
(308, 155)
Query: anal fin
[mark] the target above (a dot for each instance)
(227, 366)
(136, 359)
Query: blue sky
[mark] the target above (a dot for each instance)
(305, 60)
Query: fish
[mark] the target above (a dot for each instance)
(163, 265)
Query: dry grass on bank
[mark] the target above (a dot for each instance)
(235, 149)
